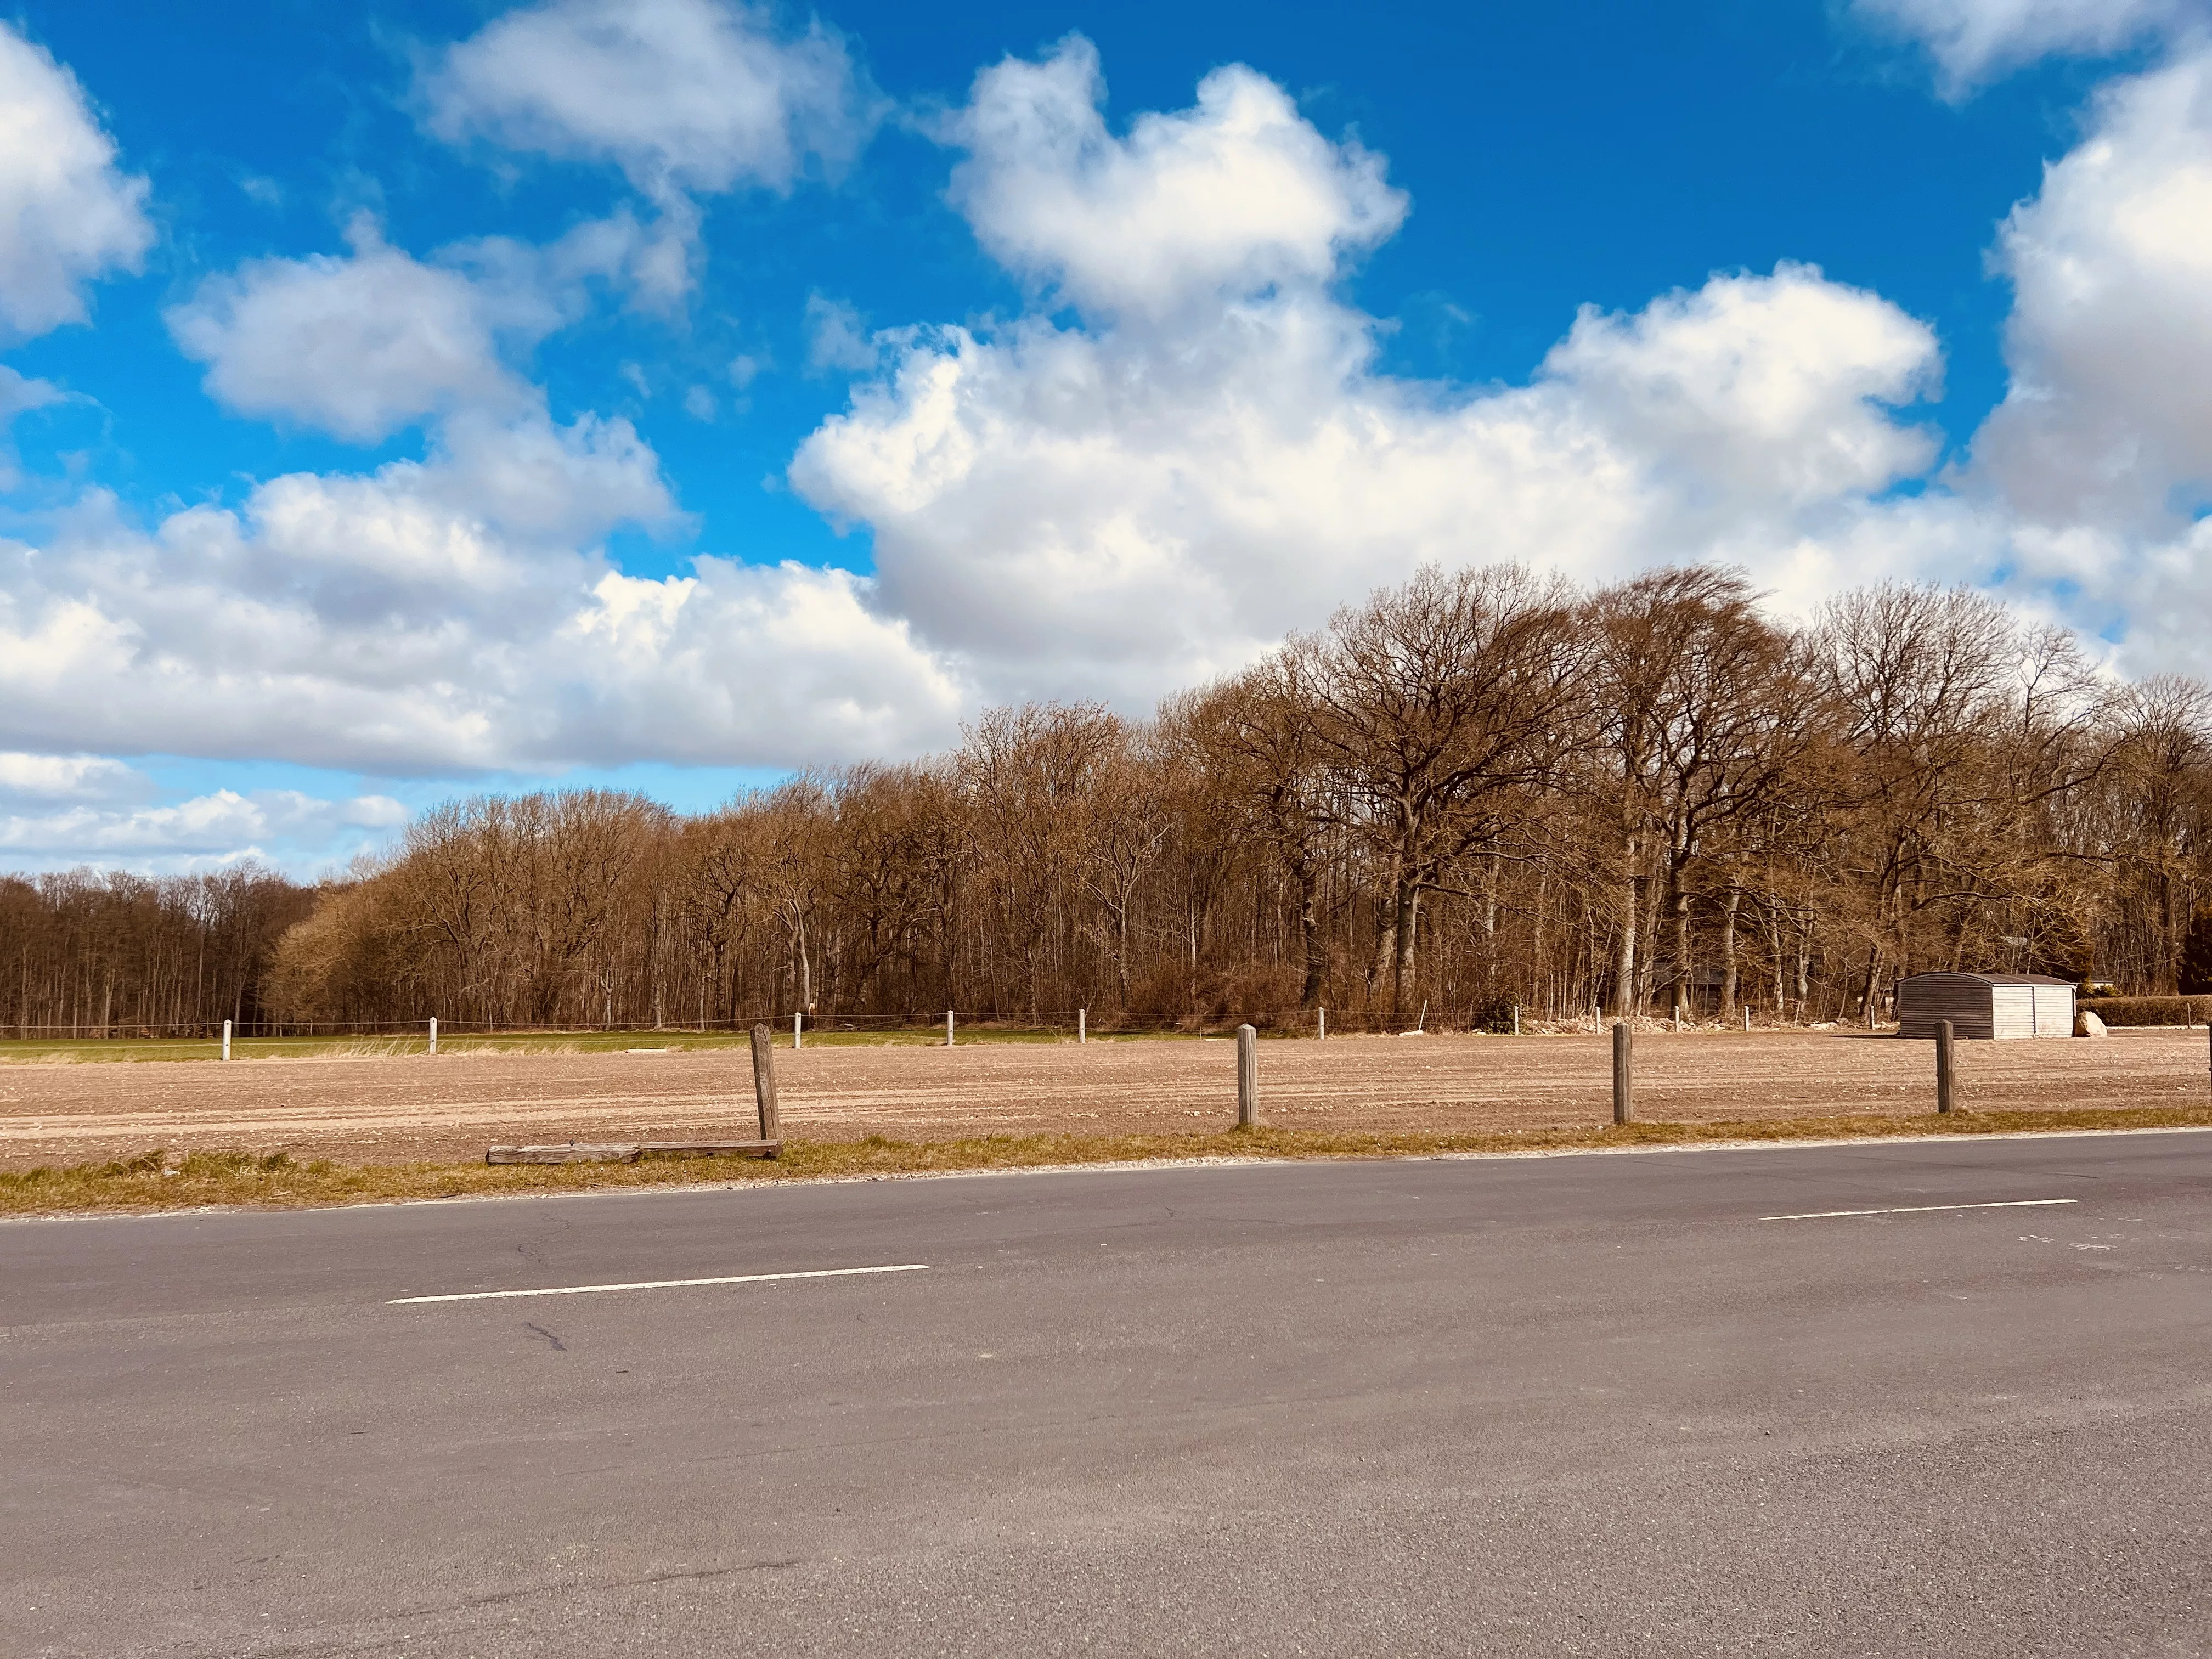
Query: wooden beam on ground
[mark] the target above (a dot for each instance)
(570, 1153)
(710, 1148)
(630, 1151)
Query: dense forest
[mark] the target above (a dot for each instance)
(1480, 790)
(95, 954)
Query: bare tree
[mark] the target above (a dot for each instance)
(1708, 713)
(1437, 703)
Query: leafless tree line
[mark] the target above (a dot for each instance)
(90, 954)
(1478, 791)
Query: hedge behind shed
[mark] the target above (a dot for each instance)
(2149, 1010)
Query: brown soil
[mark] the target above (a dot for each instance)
(380, 1110)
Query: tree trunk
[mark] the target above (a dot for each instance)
(1309, 939)
(1624, 989)
(1121, 949)
(805, 970)
(1405, 916)
(1728, 956)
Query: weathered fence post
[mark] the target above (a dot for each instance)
(1321, 1024)
(1247, 1078)
(798, 1031)
(434, 1034)
(226, 1039)
(1678, 1016)
(948, 1027)
(1081, 1033)
(1624, 1077)
(771, 1127)
(1517, 1019)
(1946, 1077)
(1747, 1019)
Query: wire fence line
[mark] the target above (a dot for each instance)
(1070, 1021)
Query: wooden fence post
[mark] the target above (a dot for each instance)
(1321, 1024)
(1081, 1024)
(1517, 1019)
(226, 1039)
(771, 1127)
(948, 1027)
(1247, 1078)
(1624, 1075)
(798, 1032)
(434, 1034)
(1946, 1077)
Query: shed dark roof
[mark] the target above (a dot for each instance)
(1995, 979)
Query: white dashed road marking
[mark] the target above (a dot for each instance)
(659, 1284)
(1926, 1209)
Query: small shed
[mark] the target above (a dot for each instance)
(1986, 1005)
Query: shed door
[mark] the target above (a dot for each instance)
(2012, 1008)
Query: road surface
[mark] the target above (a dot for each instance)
(1584, 1405)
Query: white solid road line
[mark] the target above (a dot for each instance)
(1926, 1209)
(659, 1284)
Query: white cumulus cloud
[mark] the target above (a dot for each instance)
(689, 98)
(358, 345)
(2101, 454)
(1210, 456)
(458, 614)
(363, 344)
(2110, 342)
(1974, 40)
(1238, 193)
(67, 214)
(1778, 390)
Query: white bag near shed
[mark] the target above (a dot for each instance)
(1987, 1006)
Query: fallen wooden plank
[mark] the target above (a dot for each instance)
(711, 1148)
(630, 1152)
(572, 1152)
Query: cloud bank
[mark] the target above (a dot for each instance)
(454, 614)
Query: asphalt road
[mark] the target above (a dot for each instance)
(1591, 1405)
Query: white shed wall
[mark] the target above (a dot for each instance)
(2054, 1010)
(2012, 1011)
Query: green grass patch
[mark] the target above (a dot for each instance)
(155, 1181)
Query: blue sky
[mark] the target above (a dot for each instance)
(445, 396)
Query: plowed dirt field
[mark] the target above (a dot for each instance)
(452, 1106)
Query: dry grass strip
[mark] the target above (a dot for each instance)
(156, 1181)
